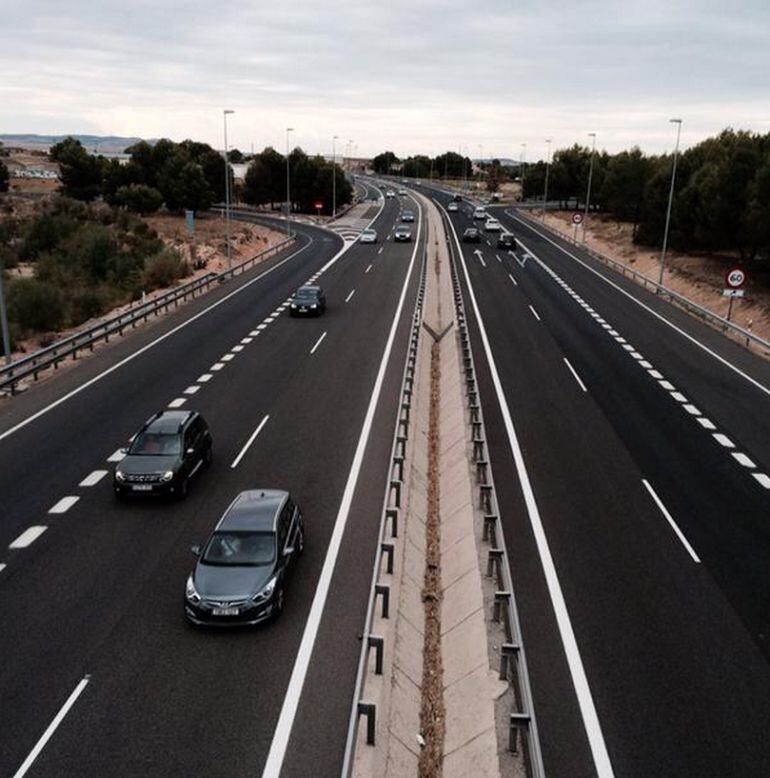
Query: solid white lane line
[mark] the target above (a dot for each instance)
(250, 441)
(534, 313)
(368, 269)
(93, 478)
(671, 521)
(28, 537)
(227, 358)
(347, 299)
(40, 745)
(217, 367)
(647, 308)
(318, 343)
(237, 349)
(155, 342)
(707, 423)
(513, 280)
(291, 701)
(572, 652)
(117, 456)
(178, 403)
(723, 440)
(64, 504)
(763, 479)
(205, 378)
(574, 373)
(194, 389)
(743, 459)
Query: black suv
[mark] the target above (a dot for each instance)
(472, 235)
(407, 215)
(506, 240)
(242, 568)
(164, 455)
(308, 300)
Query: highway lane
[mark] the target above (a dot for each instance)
(677, 665)
(117, 571)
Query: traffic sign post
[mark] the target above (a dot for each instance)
(577, 218)
(735, 278)
(318, 204)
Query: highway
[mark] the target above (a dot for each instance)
(96, 651)
(629, 446)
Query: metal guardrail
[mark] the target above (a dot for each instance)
(707, 315)
(33, 364)
(513, 662)
(389, 528)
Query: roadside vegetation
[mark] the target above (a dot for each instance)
(721, 200)
(72, 261)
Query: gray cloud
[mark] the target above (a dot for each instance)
(412, 76)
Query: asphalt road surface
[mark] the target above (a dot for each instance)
(101, 674)
(637, 515)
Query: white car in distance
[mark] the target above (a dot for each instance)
(368, 236)
(390, 193)
(479, 213)
(492, 225)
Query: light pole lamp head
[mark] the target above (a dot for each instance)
(227, 111)
(675, 121)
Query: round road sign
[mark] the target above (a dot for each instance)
(577, 218)
(735, 278)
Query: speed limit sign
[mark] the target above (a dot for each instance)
(735, 278)
(577, 218)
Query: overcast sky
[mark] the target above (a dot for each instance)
(419, 76)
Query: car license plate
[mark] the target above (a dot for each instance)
(225, 611)
(302, 308)
(142, 488)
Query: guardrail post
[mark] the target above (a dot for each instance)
(481, 471)
(392, 514)
(395, 485)
(500, 598)
(517, 721)
(377, 642)
(507, 652)
(485, 498)
(388, 549)
(398, 465)
(490, 524)
(383, 590)
(495, 556)
(369, 709)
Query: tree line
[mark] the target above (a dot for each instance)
(191, 176)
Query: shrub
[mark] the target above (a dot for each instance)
(87, 303)
(163, 269)
(35, 305)
(45, 233)
(139, 198)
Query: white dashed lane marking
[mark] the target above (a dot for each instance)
(178, 402)
(742, 459)
(513, 280)
(534, 313)
(28, 537)
(227, 358)
(192, 389)
(216, 367)
(317, 343)
(64, 504)
(763, 479)
(117, 456)
(205, 378)
(671, 521)
(347, 299)
(575, 375)
(237, 349)
(93, 478)
(368, 269)
(723, 440)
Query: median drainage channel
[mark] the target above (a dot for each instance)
(442, 687)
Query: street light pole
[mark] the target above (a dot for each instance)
(522, 160)
(4, 319)
(547, 170)
(227, 191)
(590, 176)
(288, 182)
(350, 155)
(334, 176)
(678, 123)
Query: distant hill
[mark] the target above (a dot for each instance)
(104, 143)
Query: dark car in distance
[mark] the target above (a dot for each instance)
(506, 240)
(164, 455)
(472, 235)
(402, 233)
(243, 567)
(407, 215)
(308, 300)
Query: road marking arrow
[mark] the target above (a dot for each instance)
(480, 256)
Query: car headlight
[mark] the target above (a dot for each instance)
(314, 305)
(168, 475)
(190, 592)
(267, 590)
(294, 305)
(120, 475)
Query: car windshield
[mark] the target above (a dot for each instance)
(306, 294)
(156, 444)
(369, 233)
(240, 548)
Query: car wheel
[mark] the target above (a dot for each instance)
(208, 457)
(184, 488)
(278, 607)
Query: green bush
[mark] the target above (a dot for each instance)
(35, 305)
(163, 269)
(87, 303)
(139, 198)
(44, 233)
